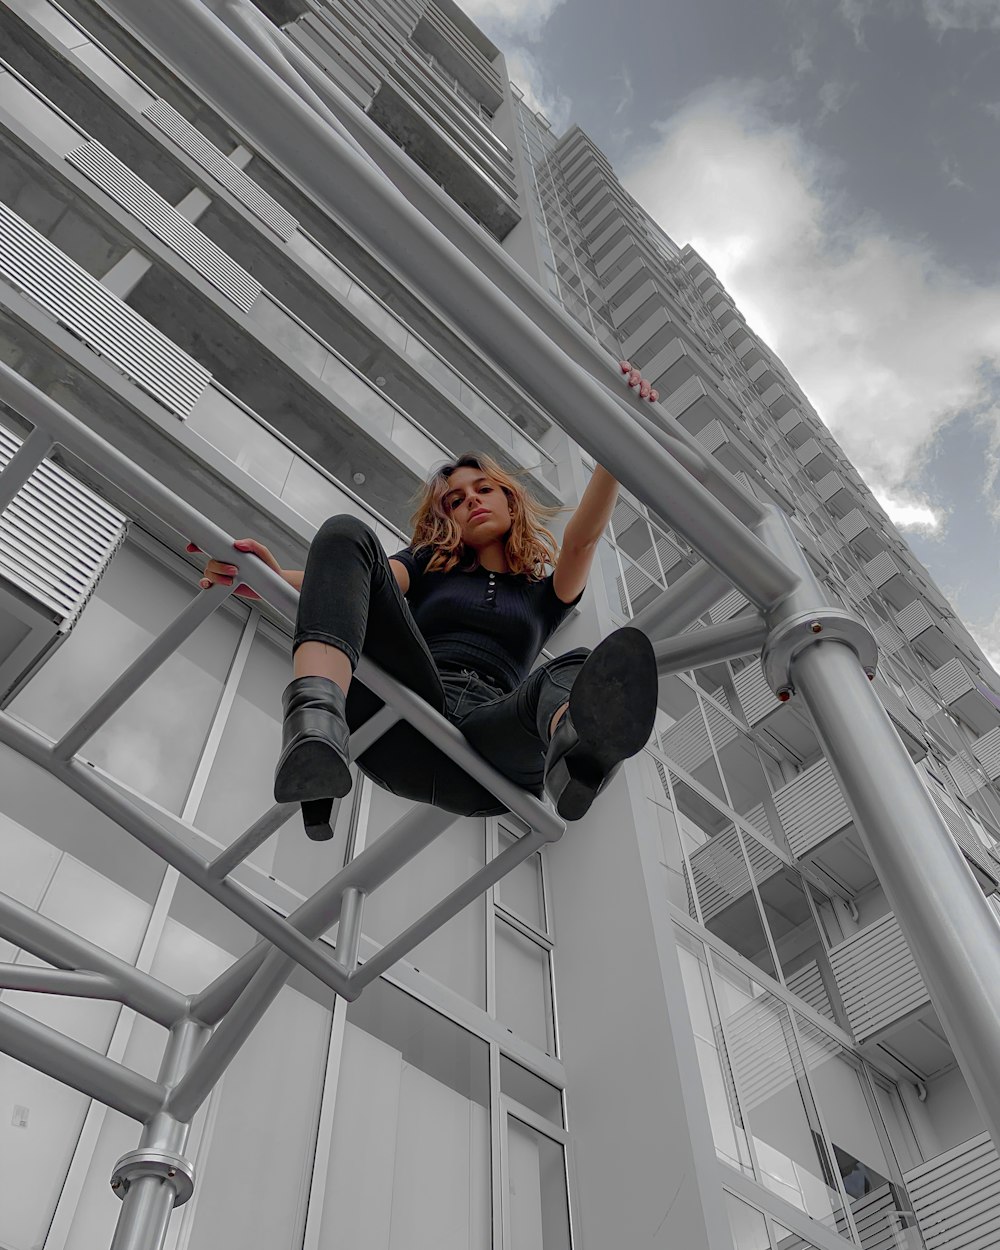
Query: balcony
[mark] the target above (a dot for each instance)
(441, 36)
(815, 459)
(921, 627)
(729, 449)
(886, 1000)
(837, 493)
(967, 697)
(820, 830)
(863, 533)
(785, 723)
(892, 579)
(956, 1196)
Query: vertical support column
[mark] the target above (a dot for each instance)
(948, 924)
(155, 1177)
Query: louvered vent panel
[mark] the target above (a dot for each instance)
(727, 607)
(668, 553)
(755, 695)
(956, 1197)
(965, 774)
(812, 808)
(857, 587)
(104, 322)
(888, 639)
(56, 537)
(853, 524)
(134, 195)
(809, 450)
(921, 700)
(807, 982)
(914, 619)
(880, 569)
(952, 680)
(712, 436)
(723, 730)
(789, 421)
(685, 395)
(828, 486)
(878, 980)
(194, 143)
(962, 833)
(687, 742)
(720, 871)
(987, 752)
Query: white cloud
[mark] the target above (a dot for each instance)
(503, 19)
(949, 171)
(987, 635)
(992, 109)
(526, 72)
(888, 342)
(944, 15)
(912, 514)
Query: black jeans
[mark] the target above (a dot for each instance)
(350, 599)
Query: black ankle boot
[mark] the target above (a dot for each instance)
(313, 766)
(611, 711)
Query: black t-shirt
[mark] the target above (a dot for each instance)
(494, 624)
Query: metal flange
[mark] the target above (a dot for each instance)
(173, 1169)
(788, 639)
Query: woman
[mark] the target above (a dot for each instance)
(459, 616)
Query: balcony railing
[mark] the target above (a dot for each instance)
(964, 694)
(956, 1197)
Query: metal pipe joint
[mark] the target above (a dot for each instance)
(787, 640)
(171, 1169)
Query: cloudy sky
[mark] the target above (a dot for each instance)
(837, 162)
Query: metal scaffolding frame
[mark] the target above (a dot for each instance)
(809, 648)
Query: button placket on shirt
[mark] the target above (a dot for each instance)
(491, 589)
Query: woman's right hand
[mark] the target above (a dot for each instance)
(219, 572)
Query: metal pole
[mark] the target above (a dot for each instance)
(949, 926)
(56, 945)
(47, 1050)
(683, 603)
(410, 834)
(36, 980)
(709, 645)
(155, 1177)
(276, 118)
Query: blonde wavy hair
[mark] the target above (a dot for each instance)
(529, 546)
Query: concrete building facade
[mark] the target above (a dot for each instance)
(693, 1021)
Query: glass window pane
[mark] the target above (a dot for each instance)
(409, 1165)
(521, 889)
(775, 1097)
(720, 877)
(748, 1225)
(523, 989)
(724, 1114)
(530, 1090)
(796, 938)
(539, 1210)
(240, 784)
(154, 741)
(455, 954)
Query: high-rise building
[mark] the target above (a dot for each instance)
(691, 1022)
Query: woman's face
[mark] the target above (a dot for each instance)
(478, 505)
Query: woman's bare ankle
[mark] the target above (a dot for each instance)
(319, 659)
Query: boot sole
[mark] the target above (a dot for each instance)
(613, 707)
(312, 769)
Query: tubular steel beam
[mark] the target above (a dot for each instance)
(283, 125)
(709, 645)
(194, 613)
(248, 841)
(22, 464)
(49, 1051)
(57, 981)
(49, 941)
(683, 603)
(414, 831)
(449, 906)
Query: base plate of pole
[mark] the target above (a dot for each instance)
(786, 640)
